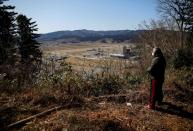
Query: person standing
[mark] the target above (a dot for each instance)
(156, 70)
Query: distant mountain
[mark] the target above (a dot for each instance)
(90, 35)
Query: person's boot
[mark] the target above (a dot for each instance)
(150, 106)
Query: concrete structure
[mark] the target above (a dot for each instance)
(126, 53)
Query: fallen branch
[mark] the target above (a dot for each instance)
(4, 101)
(22, 122)
(114, 95)
(119, 119)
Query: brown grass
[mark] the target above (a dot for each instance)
(85, 111)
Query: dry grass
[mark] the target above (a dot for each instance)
(96, 114)
(75, 49)
(84, 110)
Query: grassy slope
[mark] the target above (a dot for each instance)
(98, 113)
(103, 112)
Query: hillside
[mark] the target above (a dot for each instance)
(109, 112)
(90, 35)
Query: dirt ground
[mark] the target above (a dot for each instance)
(121, 112)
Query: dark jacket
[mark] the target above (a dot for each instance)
(157, 68)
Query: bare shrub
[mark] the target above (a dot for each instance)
(160, 34)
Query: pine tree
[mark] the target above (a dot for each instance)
(7, 33)
(28, 46)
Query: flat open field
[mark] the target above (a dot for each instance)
(77, 49)
(89, 54)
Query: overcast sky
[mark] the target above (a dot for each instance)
(55, 15)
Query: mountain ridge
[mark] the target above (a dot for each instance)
(90, 35)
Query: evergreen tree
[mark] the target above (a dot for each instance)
(7, 33)
(28, 46)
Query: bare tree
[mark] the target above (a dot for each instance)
(161, 34)
(189, 23)
(177, 10)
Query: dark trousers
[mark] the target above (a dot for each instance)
(156, 93)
